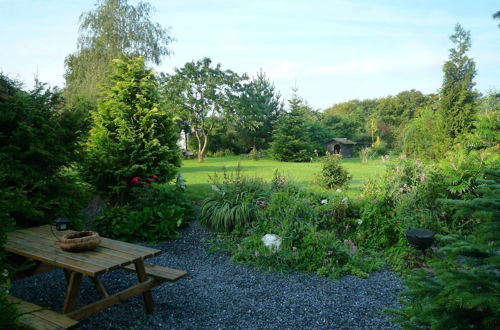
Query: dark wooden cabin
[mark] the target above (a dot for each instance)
(341, 146)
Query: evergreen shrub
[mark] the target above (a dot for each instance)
(461, 290)
(333, 175)
(39, 142)
(132, 135)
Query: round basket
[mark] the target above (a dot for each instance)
(80, 241)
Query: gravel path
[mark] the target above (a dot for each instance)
(220, 294)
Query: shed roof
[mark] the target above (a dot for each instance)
(341, 141)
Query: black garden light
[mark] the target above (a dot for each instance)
(420, 238)
(62, 224)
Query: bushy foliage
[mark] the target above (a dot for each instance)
(313, 227)
(9, 314)
(291, 141)
(234, 202)
(425, 136)
(38, 141)
(457, 95)
(333, 175)
(156, 213)
(133, 135)
(462, 288)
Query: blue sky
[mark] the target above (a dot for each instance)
(333, 51)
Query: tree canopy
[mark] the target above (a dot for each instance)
(113, 28)
(201, 94)
(259, 107)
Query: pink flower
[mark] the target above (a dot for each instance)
(135, 180)
(151, 180)
(155, 176)
(147, 184)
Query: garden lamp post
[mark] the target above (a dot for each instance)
(62, 224)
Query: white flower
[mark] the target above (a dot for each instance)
(359, 221)
(345, 200)
(324, 201)
(339, 190)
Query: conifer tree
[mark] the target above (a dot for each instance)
(291, 140)
(133, 135)
(457, 93)
(463, 289)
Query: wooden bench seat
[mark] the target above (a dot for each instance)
(40, 318)
(159, 272)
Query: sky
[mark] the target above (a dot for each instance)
(332, 51)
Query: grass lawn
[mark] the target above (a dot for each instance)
(196, 174)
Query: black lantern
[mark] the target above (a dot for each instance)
(62, 224)
(420, 238)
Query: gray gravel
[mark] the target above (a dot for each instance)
(220, 294)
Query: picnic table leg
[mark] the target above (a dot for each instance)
(148, 297)
(75, 279)
(66, 275)
(100, 287)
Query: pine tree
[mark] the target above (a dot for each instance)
(291, 140)
(463, 289)
(457, 93)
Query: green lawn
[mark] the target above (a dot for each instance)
(196, 174)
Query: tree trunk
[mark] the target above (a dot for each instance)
(201, 150)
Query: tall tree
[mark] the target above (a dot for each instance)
(113, 28)
(291, 139)
(457, 93)
(497, 16)
(201, 94)
(133, 134)
(259, 107)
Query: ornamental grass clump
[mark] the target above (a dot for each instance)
(234, 202)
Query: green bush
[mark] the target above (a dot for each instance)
(156, 213)
(39, 141)
(461, 290)
(234, 202)
(132, 135)
(314, 227)
(8, 311)
(333, 175)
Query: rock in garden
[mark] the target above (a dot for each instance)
(272, 241)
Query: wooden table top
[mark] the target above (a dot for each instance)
(42, 244)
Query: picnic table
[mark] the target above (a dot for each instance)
(41, 244)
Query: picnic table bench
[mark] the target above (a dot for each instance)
(41, 244)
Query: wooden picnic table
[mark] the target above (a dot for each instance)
(42, 245)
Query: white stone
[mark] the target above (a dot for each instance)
(272, 241)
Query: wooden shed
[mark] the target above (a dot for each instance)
(341, 146)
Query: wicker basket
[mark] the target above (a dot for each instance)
(80, 241)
